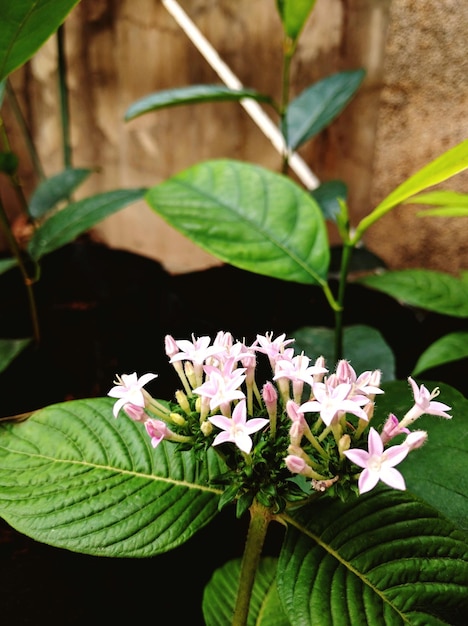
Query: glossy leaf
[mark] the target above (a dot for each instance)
(75, 477)
(294, 14)
(449, 348)
(426, 289)
(363, 346)
(55, 189)
(327, 195)
(24, 26)
(249, 217)
(382, 558)
(219, 597)
(192, 94)
(443, 167)
(10, 349)
(318, 105)
(437, 471)
(77, 217)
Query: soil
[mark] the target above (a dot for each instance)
(104, 312)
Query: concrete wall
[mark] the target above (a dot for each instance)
(411, 107)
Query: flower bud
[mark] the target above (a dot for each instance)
(206, 427)
(344, 443)
(416, 439)
(134, 412)
(182, 401)
(170, 346)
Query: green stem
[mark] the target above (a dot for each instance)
(63, 91)
(344, 269)
(27, 279)
(288, 53)
(260, 517)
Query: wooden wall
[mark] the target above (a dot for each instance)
(411, 107)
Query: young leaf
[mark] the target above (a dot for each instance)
(24, 26)
(382, 558)
(426, 289)
(54, 189)
(74, 477)
(77, 217)
(363, 346)
(449, 348)
(219, 597)
(318, 105)
(194, 94)
(443, 167)
(249, 217)
(294, 14)
(436, 472)
(449, 203)
(327, 196)
(10, 349)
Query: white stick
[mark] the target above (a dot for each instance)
(270, 130)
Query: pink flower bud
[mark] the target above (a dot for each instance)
(391, 429)
(157, 430)
(269, 394)
(170, 346)
(344, 372)
(295, 464)
(416, 439)
(134, 412)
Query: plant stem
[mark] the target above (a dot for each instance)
(260, 517)
(27, 279)
(344, 269)
(63, 90)
(288, 52)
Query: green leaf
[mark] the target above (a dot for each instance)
(75, 477)
(10, 349)
(294, 14)
(24, 26)
(327, 195)
(249, 217)
(437, 471)
(77, 217)
(318, 105)
(192, 94)
(219, 597)
(8, 163)
(55, 189)
(383, 558)
(363, 346)
(7, 264)
(449, 348)
(426, 289)
(450, 203)
(443, 167)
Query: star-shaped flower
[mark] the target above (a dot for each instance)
(129, 390)
(331, 400)
(424, 403)
(237, 429)
(378, 464)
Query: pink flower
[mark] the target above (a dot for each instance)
(331, 400)
(391, 429)
(129, 390)
(237, 429)
(297, 369)
(157, 430)
(424, 404)
(221, 387)
(378, 464)
(272, 347)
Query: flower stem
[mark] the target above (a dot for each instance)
(260, 517)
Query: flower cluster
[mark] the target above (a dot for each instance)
(301, 433)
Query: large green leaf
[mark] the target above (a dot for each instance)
(25, 25)
(363, 346)
(426, 289)
(318, 105)
(437, 472)
(74, 477)
(449, 348)
(249, 217)
(219, 597)
(443, 167)
(77, 217)
(294, 14)
(193, 94)
(55, 189)
(10, 349)
(383, 558)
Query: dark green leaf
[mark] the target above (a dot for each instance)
(77, 217)
(383, 558)
(249, 217)
(326, 196)
(24, 26)
(451, 347)
(10, 349)
(8, 163)
(426, 289)
(318, 105)
(75, 477)
(220, 596)
(363, 346)
(294, 14)
(436, 472)
(194, 94)
(7, 264)
(55, 189)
